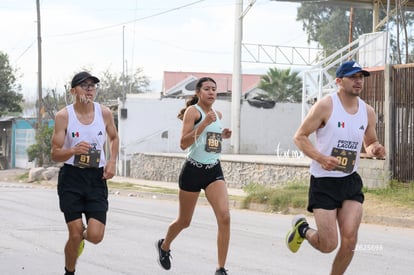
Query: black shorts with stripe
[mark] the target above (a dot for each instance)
(330, 192)
(195, 176)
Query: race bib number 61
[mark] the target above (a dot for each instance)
(89, 160)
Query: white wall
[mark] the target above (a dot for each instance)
(261, 130)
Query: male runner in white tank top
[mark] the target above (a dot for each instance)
(81, 130)
(343, 123)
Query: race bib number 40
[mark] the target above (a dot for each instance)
(346, 159)
(213, 142)
(89, 160)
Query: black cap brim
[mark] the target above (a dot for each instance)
(365, 73)
(81, 77)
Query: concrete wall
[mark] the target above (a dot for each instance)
(262, 131)
(240, 170)
(373, 173)
(150, 144)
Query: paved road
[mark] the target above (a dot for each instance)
(32, 236)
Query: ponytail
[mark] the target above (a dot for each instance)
(190, 101)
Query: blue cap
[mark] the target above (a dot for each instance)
(350, 68)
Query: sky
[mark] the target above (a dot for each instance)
(155, 35)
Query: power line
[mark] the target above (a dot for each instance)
(131, 21)
(31, 44)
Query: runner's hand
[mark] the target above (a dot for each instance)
(81, 148)
(329, 163)
(226, 133)
(109, 170)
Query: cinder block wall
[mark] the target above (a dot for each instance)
(373, 173)
(239, 173)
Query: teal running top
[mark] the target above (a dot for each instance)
(207, 148)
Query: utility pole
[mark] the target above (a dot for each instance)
(123, 145)
(236, 78)
(236, 89)
(39, 69)
(39, 79)
(351, 25)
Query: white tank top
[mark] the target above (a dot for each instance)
(342, 136)
(94, 133)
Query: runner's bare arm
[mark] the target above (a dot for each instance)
(113, 137)
(316, 118)
(372, 146)
(188, 134)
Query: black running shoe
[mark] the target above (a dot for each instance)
(163, 256)
(221, 271)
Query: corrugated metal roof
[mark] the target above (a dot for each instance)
(368, 4)
(223, 80)
(6, 118)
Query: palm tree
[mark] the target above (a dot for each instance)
(281, 85)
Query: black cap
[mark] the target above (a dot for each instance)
(81, 77)
(350, 68)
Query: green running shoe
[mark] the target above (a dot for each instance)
(81, 247)
(293, 238)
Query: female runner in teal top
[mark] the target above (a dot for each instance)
(202, 135)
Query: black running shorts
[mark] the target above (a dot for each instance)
(195, 176)
(330, 192)
(82, 190)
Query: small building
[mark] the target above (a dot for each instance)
(17, 134)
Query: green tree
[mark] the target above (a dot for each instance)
(281, 85)
(111, 86)
(402, 48)
(40, 150)
(10, 98)
(53, 102)
(329, 24)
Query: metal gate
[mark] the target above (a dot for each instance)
(401, 116)
(402, 94)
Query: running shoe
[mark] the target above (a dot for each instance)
(81, 247)
(293, 238)
(82, 243)
(163, 256)
(221, 271)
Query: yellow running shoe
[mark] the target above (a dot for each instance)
(293, 238)
(81, 247)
